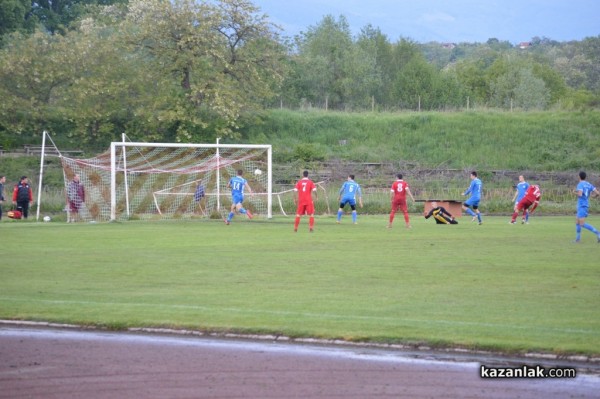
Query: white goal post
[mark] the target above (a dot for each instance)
(149, 181)
(155, 181)
(192, 165)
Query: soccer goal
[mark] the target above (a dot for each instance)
(136, 180)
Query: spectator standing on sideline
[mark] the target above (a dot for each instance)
(475, 189)
(2, 181)
(521, 189)
(584, 191)
(304, 201)
(23, 196)
(399, 190)
(349, 191)
(76, 196)
(237, 184)
(440, 214)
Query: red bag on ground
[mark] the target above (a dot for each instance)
(14, 214)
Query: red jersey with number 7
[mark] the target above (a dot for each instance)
(305, 187)
(399, 189)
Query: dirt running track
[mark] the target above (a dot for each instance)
(59, 363)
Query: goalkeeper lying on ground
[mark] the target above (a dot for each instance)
(440, 214)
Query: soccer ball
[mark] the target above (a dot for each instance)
(258, 172)
(47, 218)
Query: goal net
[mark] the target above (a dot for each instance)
(171, 181)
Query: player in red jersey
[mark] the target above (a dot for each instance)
(399, 190)
(305, 205)
(531, 199)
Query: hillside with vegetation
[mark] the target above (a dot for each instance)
(542, 141)
(191, 71)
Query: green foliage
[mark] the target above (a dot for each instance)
(187, 71)
(558, 141)
(308, 152)
(12, 16)
(168, 71)
(52, 16)
(519, 89)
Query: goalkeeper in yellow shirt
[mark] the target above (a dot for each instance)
(440, 215)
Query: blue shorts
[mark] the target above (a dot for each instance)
(582, 212)
(237, 199)
(348, 201)
(473, 201)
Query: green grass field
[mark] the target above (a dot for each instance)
(502, 287)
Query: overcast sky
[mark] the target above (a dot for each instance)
(445, 20)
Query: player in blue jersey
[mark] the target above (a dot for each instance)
(237, 184)
(475, 189)
(584, 191)
(349, 192)
(521, 188)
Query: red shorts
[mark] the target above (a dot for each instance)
(399, 204)
(305, 208)
(525, 203)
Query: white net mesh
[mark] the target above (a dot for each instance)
(154, 181)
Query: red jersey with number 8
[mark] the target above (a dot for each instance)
(399, 190)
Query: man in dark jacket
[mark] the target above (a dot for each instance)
(23, 196)
(2, 181)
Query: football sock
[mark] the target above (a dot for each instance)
(479, 217)
(590, 228)
(243, 210)
(406, 219)
(578, 231)
(311, 222)
(339, 215)
(392, 217)
(230, 216)
(296, 222)
(353, 216)
(514, 217)
(470, 212)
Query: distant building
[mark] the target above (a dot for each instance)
(524, 45)
(449, 46)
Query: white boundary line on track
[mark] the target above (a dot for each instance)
(327, 316)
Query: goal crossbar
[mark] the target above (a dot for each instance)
(217, 164)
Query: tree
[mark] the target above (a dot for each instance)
(324, 51)
(160, 71)
(377, 45)
(32, 70)
(470, 76)
(12, 17)
(54, 16)
(224, 58)
(519, 88)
